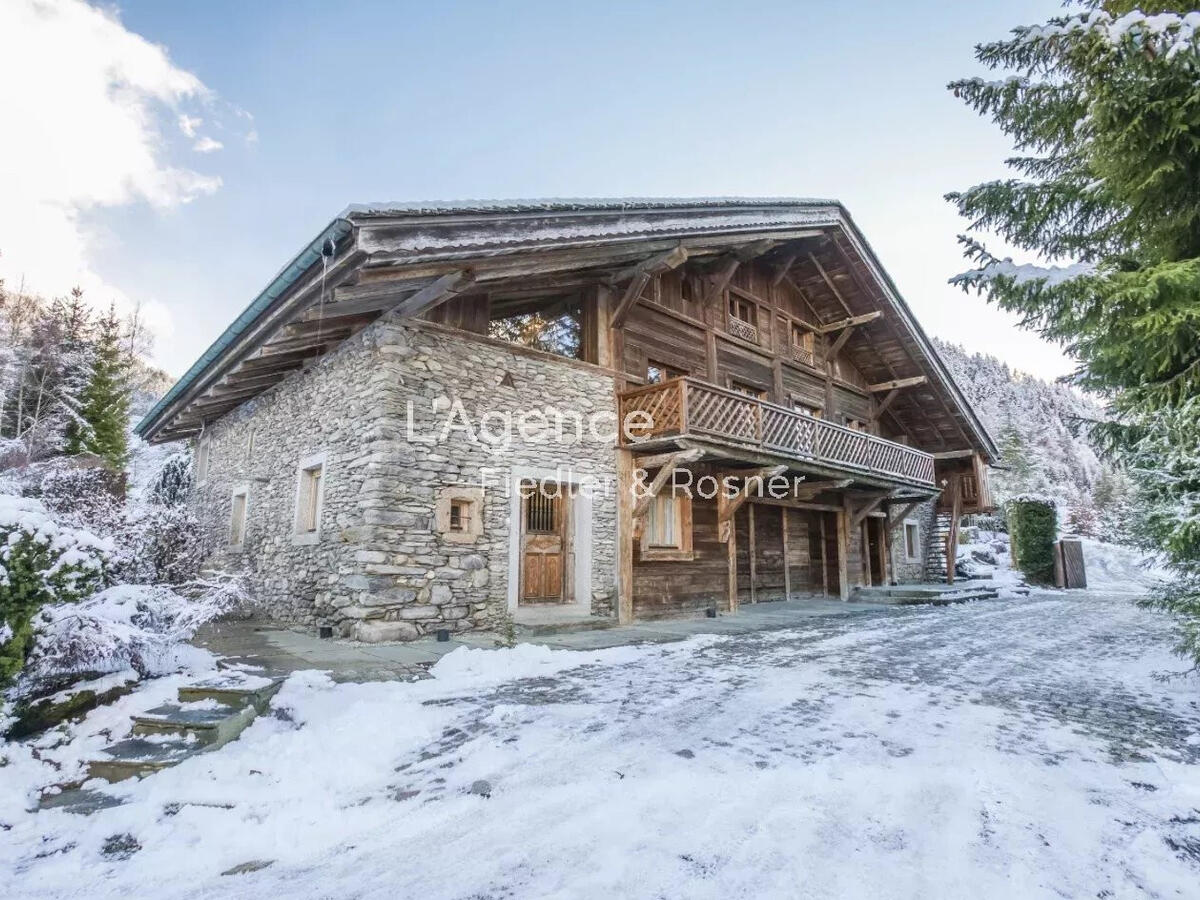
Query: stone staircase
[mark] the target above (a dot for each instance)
(208, 714)
(935, 594)
(935, 553)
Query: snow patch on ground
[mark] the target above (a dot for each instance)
(1014, 748)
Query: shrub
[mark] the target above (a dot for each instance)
(127, 626)
(173, 482)
(160, 545)
(41, 562)
(1032, 529)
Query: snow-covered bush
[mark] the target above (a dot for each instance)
(41, 562)
(172, 483)
(127, 626)
(87, 496)
(160, 545)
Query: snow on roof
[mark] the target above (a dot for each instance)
(567, 204)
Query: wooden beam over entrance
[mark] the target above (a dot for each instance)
(664, 474)
(866, 509)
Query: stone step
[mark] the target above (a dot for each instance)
(138, 756)
(213, 725)
(233, 690)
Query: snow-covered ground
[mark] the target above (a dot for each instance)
(1019, 748)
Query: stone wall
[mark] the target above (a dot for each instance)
(380, 567)
(913, 572)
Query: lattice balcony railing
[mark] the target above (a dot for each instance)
(744, 330)
(688, 406)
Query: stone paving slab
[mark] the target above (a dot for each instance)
(280, 651)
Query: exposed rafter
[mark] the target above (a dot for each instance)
(435, 293)
(850, 322)
(640, 276)
(897, 383)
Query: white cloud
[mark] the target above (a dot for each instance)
(207, 145)
(82, 114)
(189, 124)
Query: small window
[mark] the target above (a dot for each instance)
(667, 527)
(802, 337)
(743, 310)
(460, 516)
(749, 390)
(662, 522)
(687, 290)
(806, 409)
(657, 373)
(237, 518)
(541, 511)
(912, 540)
(310, 498)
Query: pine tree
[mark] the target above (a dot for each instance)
(1104, 111)
(106, 398)
(76, 368)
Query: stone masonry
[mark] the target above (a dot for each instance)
(397, 415)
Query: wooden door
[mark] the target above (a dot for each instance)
(543, 545)
(875, 551)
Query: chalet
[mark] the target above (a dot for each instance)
(456, 415)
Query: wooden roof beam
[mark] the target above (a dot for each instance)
(896, 384)
(829, 283)
(851, 322)
(435, 293)
(640, 276)
(654, 265)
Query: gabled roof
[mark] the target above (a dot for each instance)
(391, 251)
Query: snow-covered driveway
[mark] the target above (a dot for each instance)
(1020, 748)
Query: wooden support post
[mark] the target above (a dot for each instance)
(824, 557)
(710, 355)
(787, 569)
(624, 536)
(604, 347)
(843, 550)
(732, 565)
(751, 549)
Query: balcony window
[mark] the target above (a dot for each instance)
(743, 319)
(803, 345)
(667, 528)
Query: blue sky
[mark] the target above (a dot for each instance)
(371, 101)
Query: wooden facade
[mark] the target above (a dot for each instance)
(757, 336)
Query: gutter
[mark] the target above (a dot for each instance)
(335, 231)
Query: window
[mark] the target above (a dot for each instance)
(687, 290)
(310, 498)
(458, 514)
(202, 452)
(742, 309)
(237, 518)
(803, 345)
(806, 409)
(667, 527)
(541, 511)
(743, 318)
(550, 324)
(657, 373)
(912, 540)
(749, 390)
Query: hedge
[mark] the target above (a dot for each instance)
(1032, 530)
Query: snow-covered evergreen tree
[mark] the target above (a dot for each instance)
(1103, 108)
(106, 398)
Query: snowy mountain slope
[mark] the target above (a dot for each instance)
(1041, 428)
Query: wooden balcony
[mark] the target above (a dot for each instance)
(690, 407)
